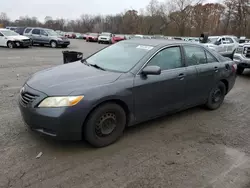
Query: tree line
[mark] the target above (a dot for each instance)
(173, 18)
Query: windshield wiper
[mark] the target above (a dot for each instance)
(92, 65)
(97, 66)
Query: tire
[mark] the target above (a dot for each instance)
(216, 96)
(240, 70)
(99, 42)
(100, 135)
(53, 44)
(10, 44)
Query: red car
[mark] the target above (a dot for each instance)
(117, 38)
(92, 37)
(70, 35)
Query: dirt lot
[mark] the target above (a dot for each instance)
(192, 149)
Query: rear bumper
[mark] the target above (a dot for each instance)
(241, 60)
(92, 39)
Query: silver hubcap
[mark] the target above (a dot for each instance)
(53, 44)
(10, 45)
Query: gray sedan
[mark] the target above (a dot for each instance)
(122, 85)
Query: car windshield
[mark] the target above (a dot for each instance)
(105, 34)
(236, 39)
(119, 57)
(93, 34)
(212, 39)
(9, 33)
(52, 32)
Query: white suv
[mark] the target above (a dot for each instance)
(225, 45)
(105, 37)
(12, 39)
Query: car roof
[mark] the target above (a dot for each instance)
(2, 29)
(157, 42)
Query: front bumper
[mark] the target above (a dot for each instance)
(63, 42)
(104, 40)
(241, 60)
(60, 123)
(22, 43)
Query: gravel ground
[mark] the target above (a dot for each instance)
(192, 149)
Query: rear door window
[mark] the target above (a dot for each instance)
(36, 31)
(194, 55)
(210, 58)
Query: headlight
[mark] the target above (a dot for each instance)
(59, 39)
(239, 50)
(53, 102)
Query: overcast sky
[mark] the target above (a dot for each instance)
(70, 9)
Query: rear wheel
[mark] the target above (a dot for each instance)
(10, 44)
(240, 70)
(53, 44)
(216, 96)
(105, 125)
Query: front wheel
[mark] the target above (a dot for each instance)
(105, 125)
(216, 96)
(10, 44)
(53, 44)
(240, 70)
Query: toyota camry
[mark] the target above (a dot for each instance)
(122, 85)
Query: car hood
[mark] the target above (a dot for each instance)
(64, 79)
(244, 44)
(18, 37)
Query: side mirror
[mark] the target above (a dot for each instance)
(151, 70)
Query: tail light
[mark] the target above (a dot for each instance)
(234, 67)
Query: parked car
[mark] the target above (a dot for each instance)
(105, 37)
(43, 36)
(92, 37)
(138, 37)
(225, 45)
(12, 39)
(20, 30)
(12, 28)
(79, 36)
(70, 35)
(85, 36)
(242, 57)
(122, 85)
(117, 38)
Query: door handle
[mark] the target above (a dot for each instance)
(181, 76)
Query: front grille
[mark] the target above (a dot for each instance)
(26, 40)
(246, 52)
(27, 98)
